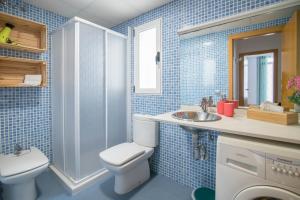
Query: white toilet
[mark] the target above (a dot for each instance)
(18, 172)
(129, 161)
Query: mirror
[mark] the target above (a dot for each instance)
(257, 69)
(250, 63)
(262, 61)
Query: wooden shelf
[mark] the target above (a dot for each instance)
(27, 35)
(13, 71)
(22, 48)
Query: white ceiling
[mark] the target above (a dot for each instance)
(103, 12)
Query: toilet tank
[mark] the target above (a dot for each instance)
(145, 131)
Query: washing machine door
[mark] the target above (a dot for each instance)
(266, 193)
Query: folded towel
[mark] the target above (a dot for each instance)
(33, 80)
(271, 107)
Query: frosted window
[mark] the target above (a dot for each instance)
(147, 64)
(148, 58)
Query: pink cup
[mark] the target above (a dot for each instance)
(220, 107)
(235, 103)
(229, 109)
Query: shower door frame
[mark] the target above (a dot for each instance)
(76, 21)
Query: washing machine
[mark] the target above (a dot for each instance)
(254, 169)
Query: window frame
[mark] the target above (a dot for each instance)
(137, 89)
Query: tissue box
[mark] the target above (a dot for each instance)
(285, 118)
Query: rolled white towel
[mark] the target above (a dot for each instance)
(271, 107)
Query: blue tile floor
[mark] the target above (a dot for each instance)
(157, 188)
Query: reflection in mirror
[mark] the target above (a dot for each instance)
(220, 57)
(204, 64)
(258, 79)
(257, 70)
(202, 71)
(280, 38)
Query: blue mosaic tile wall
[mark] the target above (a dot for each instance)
(25, 113)
(173, 157)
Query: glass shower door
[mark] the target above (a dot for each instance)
(92, 134)
(57, 101)
(88, 99)
(69, 102)
(116, 90)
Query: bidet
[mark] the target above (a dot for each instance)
(18, 172)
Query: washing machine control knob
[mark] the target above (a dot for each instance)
(278, 169)
(273, 168)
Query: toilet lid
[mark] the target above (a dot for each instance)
(122, 153)
(28, 160)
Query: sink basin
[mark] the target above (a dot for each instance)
(196, 116)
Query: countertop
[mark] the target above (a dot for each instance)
(240, 125)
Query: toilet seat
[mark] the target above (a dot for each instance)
(123, 153)
(29, 161)
(18, 178)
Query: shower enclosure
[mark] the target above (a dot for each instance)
(88, 97)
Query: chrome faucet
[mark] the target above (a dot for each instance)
(18, 149)
(204, 104)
